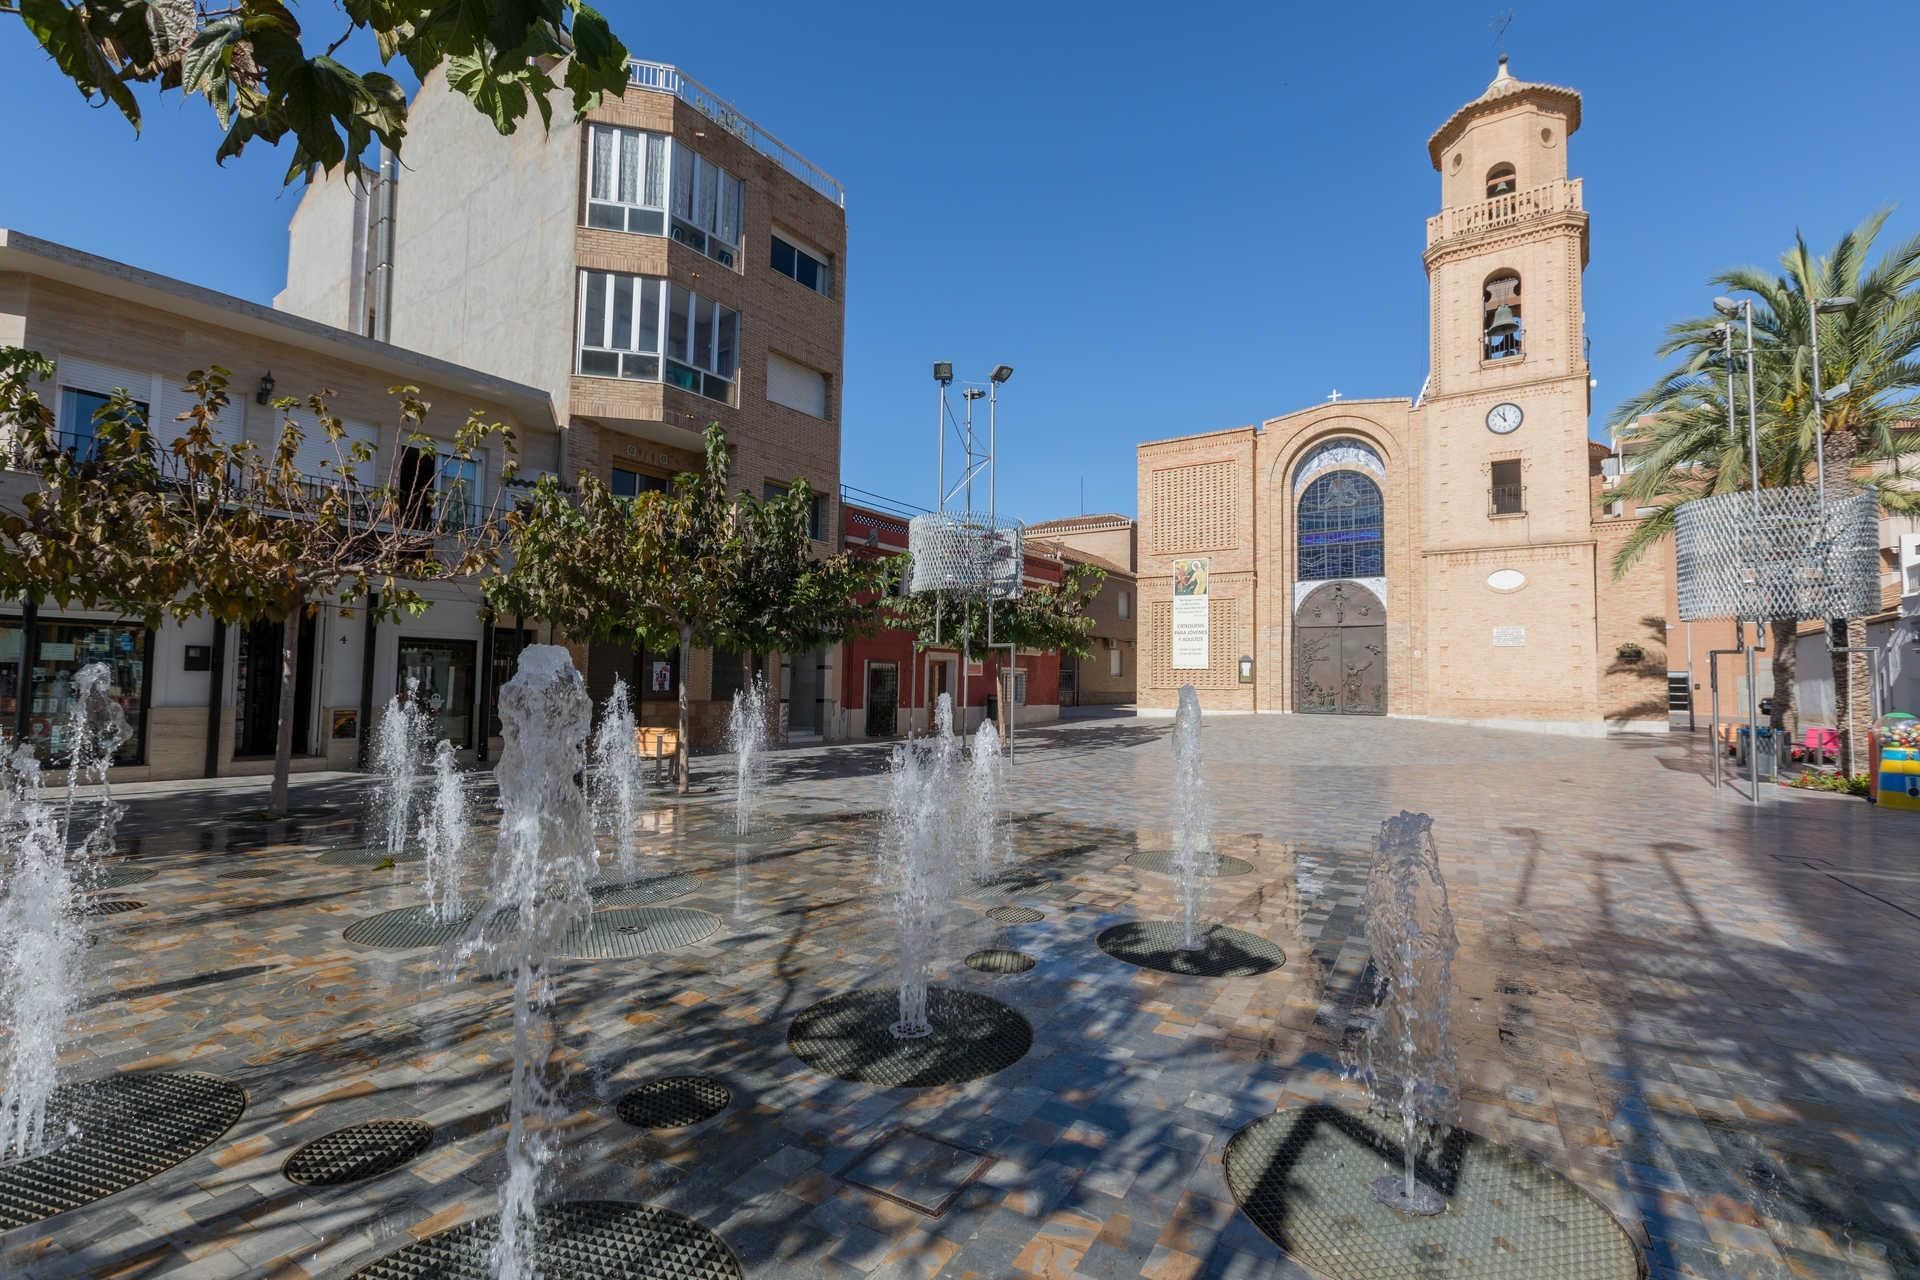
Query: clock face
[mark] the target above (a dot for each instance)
(1503, 418)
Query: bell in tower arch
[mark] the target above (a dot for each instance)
(1502, 325)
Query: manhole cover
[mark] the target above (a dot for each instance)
(358, 1151)
(847, 1037)
(1016, 915)
(673, 1102)
(999, 960)
(366, 856)
(405, 928)
(643, 890)
(1302, 1177)
(573, 1240)
(625, 932)
(130, 1128)
(110, 906)
(121, 877)
(1224, 952)
(1163, 863)
(922, 1171)
(249, 873)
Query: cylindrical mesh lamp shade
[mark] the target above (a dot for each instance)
(1791, 559)
(966, 555)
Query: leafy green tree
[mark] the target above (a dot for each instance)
(265, 78)
(1683, 448)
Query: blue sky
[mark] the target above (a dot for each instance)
(1168, 219)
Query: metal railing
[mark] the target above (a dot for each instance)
(1560, 196)
(662, 77)
(1509, 500)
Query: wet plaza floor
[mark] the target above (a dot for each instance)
(1700, 1012)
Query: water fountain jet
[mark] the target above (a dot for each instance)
(747, 739)
(398, 745)
(614, 787)
(1194, 862)
(444, 832)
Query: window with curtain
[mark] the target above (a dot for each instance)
(1340, 524)
(623, 319)
(649, 184)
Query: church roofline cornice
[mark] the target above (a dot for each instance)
(1504, 92)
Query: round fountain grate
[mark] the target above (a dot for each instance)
(1302, 1176)
(366, 855)
(122, 876)
(404, 928)
(1016, 915)
(1163, 863)
(643, 891)
(1000, 960)
(847, 1037)
(625, 932)
(673, 1102)
(110, 906)
(131, 1127)
(1225, 953)
(358, 1151)
(573, 1240)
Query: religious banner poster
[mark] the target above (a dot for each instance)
(1190, 623)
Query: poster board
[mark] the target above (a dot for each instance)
(1191, 647)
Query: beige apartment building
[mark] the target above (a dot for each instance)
(1441, 555)
(664, 264)
(1109, 676)
(202, 696)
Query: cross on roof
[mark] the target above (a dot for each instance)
(1334, 394)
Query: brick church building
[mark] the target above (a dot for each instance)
(1442, 556)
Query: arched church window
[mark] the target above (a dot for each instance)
(1500, 311)
(1501, 180)
(1340, 525)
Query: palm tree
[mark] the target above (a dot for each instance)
(1679, 432)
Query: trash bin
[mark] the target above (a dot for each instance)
(1893, 761)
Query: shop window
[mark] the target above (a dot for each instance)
(445, 670)
(60, 649)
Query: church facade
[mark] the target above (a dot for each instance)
(1444, 556)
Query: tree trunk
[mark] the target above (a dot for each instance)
(1785, 644)
(682, 764)
(1852, 711)
(283, 738)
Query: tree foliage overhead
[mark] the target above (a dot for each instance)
(1051, 616)
(265, 78)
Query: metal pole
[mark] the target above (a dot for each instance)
(1713, 695)
(1819, 410)
(940, 447)
(1759, 625)
(1753, 421)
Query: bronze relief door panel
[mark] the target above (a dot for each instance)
(1340, 653)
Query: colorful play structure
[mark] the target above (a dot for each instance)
(1893, 761)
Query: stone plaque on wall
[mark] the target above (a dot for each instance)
(1509, 637)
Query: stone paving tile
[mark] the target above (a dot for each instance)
(1701, 1013)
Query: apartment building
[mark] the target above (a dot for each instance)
(1109, 543)
(664, 264)
(202, 696)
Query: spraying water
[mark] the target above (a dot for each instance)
(991, 846)
(96, 728)
(397, 748)
(1193, 857)
(443, 833)
(1407, 1060)
(614, 786)
(538, 892)
(918, 857)
(42, 944)
(747, 739)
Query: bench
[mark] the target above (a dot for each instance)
(659, 745)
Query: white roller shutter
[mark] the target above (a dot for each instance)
(796, 386)
(315, 448)
(97, 377)
(174, 399)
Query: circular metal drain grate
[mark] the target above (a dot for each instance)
(625, 932)
(1016, 915)
(131, 1127)
(366, 856)
(406, 927)
(110, 906)
(1163, 863)
(1302, 1177)
(573, 1240)
(1225, 953)
(643, 890)
(358, 1151)
(847, 1037)
(1000, 960)
(673, 1102)
(122, 876)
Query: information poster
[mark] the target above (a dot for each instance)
(1190, 622)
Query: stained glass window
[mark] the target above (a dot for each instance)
(1340, 526)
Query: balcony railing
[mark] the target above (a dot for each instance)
(1505, 211)
(663, 77)
(1509, 500)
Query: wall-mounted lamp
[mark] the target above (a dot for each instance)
(265, 394)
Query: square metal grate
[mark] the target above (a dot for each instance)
(917, 1169)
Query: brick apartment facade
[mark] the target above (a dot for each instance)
(1109, 676)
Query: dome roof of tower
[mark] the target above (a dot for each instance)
(1503, 89)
